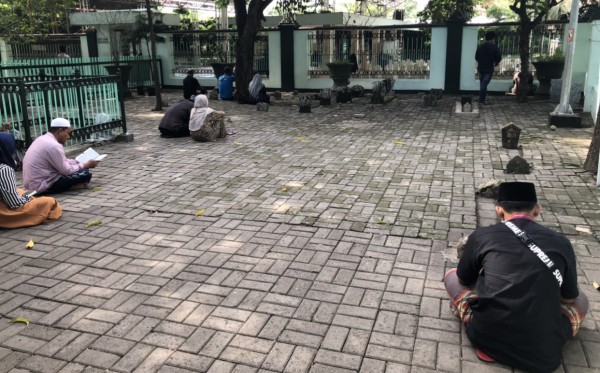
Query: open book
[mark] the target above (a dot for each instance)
(90, 154)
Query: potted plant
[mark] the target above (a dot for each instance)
(548, 67)
(340, 72)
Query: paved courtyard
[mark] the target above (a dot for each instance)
(304, 243)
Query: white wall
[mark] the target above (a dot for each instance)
(592, 86)
(469, 80)
(582, 51)
(436, 79)
(165, 52)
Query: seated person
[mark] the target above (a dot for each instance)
(206, 124)
(191, 86)
(46, 169)
(226, 84)
(258, 92)
(18, 210)
(517, 83)
(175, 122)
(515, 288)
(62, 52)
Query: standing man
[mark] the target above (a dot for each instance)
(515, 288)
(46, 169)
(226, 84)
(487, 56)
(191, 86)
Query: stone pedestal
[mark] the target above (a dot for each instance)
(565, 120)
(124, 137)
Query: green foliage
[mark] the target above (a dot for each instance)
(557, 56)
(439, 11)
(19, 18)
(589, 11)
(500, 11)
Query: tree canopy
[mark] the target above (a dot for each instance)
(20, 18)
(439, 11)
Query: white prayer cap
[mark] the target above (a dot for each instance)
(60, 123)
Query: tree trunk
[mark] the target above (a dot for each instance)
(248, 24)
(154, 65)
(591, 161)
(244, 63)
(524, 38)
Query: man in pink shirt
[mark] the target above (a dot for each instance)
(46, 169)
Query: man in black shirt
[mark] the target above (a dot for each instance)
(191, 86)
(487, 56)
(518, 297)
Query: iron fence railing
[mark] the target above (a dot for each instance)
(378, 52)
(140, 72)
(546, 40)
(43, 47)
(197, 50)
(92, 105)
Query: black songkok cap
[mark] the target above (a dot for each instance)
(517, 192)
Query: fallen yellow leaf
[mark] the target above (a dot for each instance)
(96, 189)
(300, 138)
(283, 189)
(382, 221)
(237, 143)
(596, 285)
(399, 142)
(200, 212)
(93, 223)
(20, 319)
(30, 244)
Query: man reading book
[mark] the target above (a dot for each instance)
(46, 168)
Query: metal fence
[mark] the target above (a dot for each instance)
(43, 47)
(140, 73)
(546, 39)
(92, 105)
(199, 49)
(378, 52)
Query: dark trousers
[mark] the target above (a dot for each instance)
(484, 80)
(178, 131)
(67, 182)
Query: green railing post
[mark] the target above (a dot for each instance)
(120, 96)
(25, 123)
(78, 88)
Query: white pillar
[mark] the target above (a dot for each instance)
(565, 91)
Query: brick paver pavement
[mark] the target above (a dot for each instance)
(321, 249)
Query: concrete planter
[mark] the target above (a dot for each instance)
(340, 72)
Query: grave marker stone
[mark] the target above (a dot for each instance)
(510, 136)
(304, 104)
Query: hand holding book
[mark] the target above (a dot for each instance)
(90, 155)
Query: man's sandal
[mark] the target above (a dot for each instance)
(484, 357)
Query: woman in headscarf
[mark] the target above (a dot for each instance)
(258, 92)
(206, 124)
(17, 209)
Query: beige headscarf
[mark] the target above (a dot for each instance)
(199, 112)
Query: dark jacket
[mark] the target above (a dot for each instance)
(176, 121)
(190, 86)
(488, 56)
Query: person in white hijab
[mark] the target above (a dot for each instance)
(257, 90)
(206, 124)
